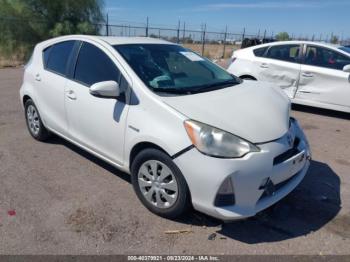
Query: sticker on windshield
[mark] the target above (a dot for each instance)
(192, 56)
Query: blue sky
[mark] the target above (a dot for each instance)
(301, 18)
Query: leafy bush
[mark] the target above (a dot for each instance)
(23, 23)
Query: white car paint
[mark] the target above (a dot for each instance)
(304, 84)
(110, 128)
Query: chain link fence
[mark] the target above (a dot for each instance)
(212, 44)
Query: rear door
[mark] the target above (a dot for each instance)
(322, 77)
(281, 65)
(51, 81)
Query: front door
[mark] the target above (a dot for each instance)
(94, 122)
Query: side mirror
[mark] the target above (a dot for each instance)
(105, 89)
(346, 68)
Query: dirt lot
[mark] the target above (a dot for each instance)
(57, 199)
(213, 51)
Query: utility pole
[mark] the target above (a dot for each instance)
(203, 38)
(178, 32)
(107, 26)
(147, 27)
(183, 34)
(225, 36)
(243, 34)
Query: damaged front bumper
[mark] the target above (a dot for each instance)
(258, 180)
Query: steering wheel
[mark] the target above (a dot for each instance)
(155, 81)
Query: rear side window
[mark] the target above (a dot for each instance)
(46, 55)
(288, 53)
(56, 57)
(94, 66)
(324, 57)
(260, 51)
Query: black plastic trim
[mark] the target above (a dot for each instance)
(182, 151)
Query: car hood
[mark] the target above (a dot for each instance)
(255, 111)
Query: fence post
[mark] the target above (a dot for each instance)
(203, 39)
(243, 34)
(225, 36)
(183, 34)
(147, 27)
(107, 26)
(178, 32)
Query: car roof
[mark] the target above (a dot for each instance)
(299, 42)
(111, 40)
(114, 40)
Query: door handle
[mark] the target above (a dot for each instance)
(37, 77)
(307, 74)
(71, 95)
(264, 65)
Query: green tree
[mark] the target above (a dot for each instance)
(334, 39)
(23, 23)
(282, 36)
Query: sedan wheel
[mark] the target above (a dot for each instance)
(158, 184)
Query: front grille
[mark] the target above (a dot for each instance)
(288, 154)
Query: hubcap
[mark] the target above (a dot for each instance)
(158, 184)
(33, 119)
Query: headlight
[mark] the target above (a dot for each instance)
(216, 142)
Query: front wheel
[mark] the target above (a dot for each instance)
(159, 184)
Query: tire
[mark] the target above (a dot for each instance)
(34, 123)
(171, 201)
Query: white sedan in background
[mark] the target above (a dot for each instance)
(310, 73)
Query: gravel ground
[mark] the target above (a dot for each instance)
(57, 199)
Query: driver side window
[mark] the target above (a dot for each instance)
(94, 66)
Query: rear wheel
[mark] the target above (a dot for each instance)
(159, 184)
(34, 123)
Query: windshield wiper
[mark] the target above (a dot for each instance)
(171, 90)
(215, 86)
(196, 89)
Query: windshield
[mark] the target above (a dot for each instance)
(174, 69)
(345, 48)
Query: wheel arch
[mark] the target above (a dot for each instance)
(137, 148)
(248, 76)
(25, 99)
